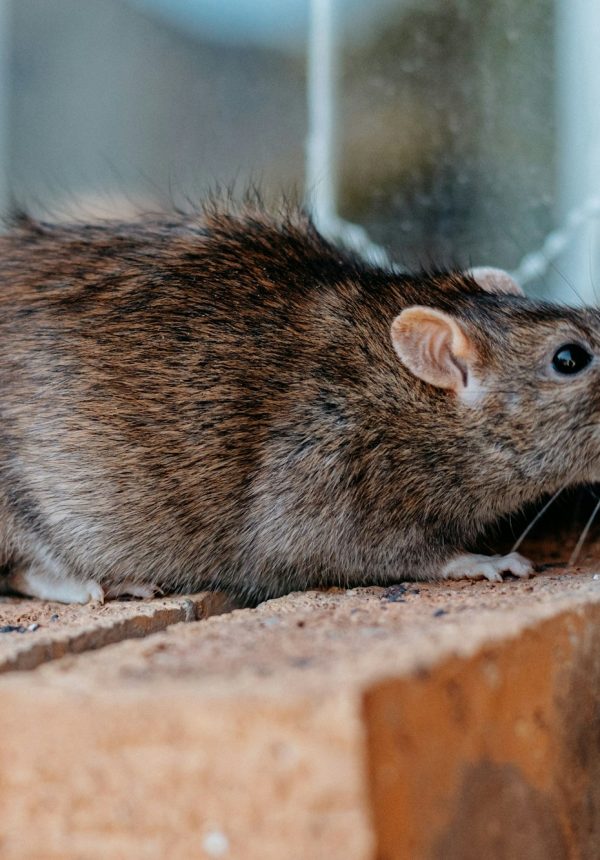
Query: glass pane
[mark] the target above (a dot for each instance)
(134, 101)
(447, 144)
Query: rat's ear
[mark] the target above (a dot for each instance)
(433, 346)
(495, 281)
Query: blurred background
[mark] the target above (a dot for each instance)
(451, 131)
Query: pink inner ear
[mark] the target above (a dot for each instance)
(432, 345)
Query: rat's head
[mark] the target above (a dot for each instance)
(520, 380)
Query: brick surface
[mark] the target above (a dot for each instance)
(430, 721)
(34, 631)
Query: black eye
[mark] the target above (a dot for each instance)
(570, 358)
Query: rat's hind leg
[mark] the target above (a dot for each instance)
(35, 580)
(471, 566)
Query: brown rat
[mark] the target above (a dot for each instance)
(229, 401)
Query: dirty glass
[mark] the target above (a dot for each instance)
(444, 132)
(128, 104)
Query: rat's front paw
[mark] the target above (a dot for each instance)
(470, 566)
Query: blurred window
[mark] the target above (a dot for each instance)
(441, 131)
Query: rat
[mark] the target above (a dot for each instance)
(227, 400)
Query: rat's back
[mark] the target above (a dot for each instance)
(148, 372)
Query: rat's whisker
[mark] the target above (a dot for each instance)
(535, 519)
(584, 534)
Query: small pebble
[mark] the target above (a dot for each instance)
(439, 612)
(215, 844)
(301, 662)
(395, 593)
(18, 628)
(54, 617)
(596, 576)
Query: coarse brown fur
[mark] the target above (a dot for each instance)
(214, 401)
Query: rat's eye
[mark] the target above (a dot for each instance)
(570, 358)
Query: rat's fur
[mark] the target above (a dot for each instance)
(216, 402)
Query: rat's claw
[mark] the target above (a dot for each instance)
(129, 588)
(517, 564)
(490, 567)
(489, 572)
(95, 592)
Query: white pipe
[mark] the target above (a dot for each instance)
(321, 84)
(321, 151)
